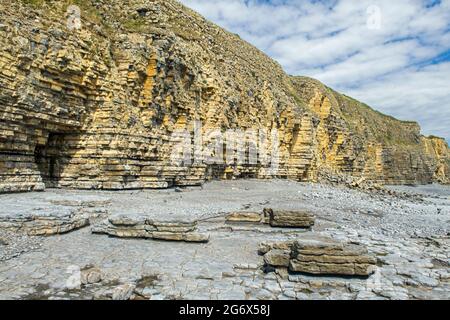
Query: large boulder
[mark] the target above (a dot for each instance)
(321, 256)
(289, 219)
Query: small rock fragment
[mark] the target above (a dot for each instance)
(91, 275)
(123, 226)
(277, 258)
(250, 217)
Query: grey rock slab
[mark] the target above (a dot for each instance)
(409, 236)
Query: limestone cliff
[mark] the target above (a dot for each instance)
(97, 106)
(348, 136)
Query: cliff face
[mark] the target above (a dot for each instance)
(351, 137)
(97, 107)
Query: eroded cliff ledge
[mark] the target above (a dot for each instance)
(96, 107)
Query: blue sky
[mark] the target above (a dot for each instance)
(392, 54)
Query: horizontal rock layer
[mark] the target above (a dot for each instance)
(331, 259)
(244, 217)
(320, 257)
(275, 218)
(97, 107)
(146, 228)
(44, 225)
(289, 219)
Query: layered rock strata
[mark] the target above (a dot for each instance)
(105, 106)
(320, 258)
(147, 228)
(244, 217)
(275, 218)
(40, 224)
(289, 219)
(331, 259)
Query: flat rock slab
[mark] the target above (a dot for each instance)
(46, 214)
(319, 257)
(289, 219)
(410, 266)
(244, 217)
(146, 227)
(330, 258)
(278, 258)
(44, 224)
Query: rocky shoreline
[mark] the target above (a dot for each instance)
(355, 244)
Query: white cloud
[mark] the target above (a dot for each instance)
(413, 94)
(390, 68)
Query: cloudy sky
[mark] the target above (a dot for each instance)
(392, 54)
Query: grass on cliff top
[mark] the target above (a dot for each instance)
(370, 109)
(33, 3)
(181, 27)
(135, 24)
(359, 117)
(88, 10)
(386, 129)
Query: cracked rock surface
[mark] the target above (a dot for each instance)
(407, 232)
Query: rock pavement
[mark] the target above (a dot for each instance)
(107, 106)
(407, 235)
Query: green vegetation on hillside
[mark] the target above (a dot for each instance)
(33, 3)
(360, 117)
(134, 24)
